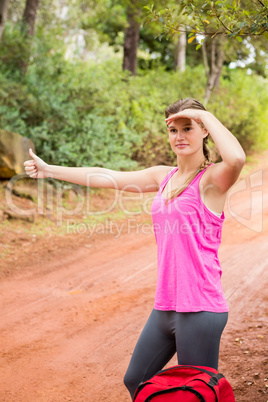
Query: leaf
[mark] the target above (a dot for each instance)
(162, 12)
(207, 21)
(239, 38)
(191, 39)
(198, 47)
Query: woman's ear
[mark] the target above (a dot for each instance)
(205, 136)
(205, 133)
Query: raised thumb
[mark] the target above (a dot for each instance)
(32, 153)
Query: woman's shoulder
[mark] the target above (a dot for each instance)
(163, 171)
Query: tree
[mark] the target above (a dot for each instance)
(29, 16)
(216, 22)
(135, 15)
(180, 53)
(131, 39)
(3, 14)
(28, 23)
(213, 56)
(231, 18)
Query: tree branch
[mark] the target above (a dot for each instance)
(218, 18)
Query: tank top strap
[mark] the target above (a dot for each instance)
(164, 182)
(195, 180)
(200, 174)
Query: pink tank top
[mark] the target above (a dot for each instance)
(188, 236)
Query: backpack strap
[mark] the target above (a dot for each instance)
(215, 379)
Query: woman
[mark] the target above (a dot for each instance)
(190, 311)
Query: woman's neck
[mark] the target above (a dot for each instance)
(187, 166)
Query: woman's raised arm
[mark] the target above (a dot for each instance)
(224, 174)
(140, 181)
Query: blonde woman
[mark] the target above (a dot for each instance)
(190, 310)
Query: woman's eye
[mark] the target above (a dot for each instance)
(187, 128)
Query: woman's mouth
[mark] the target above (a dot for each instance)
(181, 145)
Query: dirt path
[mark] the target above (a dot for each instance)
(68, 328)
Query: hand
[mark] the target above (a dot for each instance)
(194, 114)
(36, 167)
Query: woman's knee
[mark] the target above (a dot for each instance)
(131, 381)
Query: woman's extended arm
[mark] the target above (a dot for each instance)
(140, 181)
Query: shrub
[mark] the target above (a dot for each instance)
(93, 114)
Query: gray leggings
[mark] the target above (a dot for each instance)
(195, 337)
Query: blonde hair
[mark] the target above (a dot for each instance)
(189, 103)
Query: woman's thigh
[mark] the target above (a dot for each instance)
(154, 349)
(198, 337)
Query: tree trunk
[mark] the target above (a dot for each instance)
(180, 53)
(131, 40)
(28, 23)
(215, 66)
(205, 56)
(29, 15)
(3, 13)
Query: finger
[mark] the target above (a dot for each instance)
(30, 168)
(175, 117)
(31, 172)
(33, 155)
(29, 163)
(170, 119)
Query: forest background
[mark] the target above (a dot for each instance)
(89, 81)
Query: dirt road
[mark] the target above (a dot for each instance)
(69, 325)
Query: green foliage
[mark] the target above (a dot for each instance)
(93, 114)
(108, 18)
(232, 18)
(241, 105)
(14, 50)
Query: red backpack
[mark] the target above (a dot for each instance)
(185, 383)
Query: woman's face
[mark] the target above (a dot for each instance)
(186, 136)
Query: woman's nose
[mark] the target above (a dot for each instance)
(180, 134)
